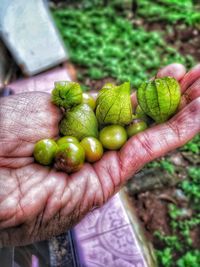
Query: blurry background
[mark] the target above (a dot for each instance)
(130, 40)
(113, 41)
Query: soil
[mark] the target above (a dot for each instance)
(152, 205)
(186, 40)
(152, 211)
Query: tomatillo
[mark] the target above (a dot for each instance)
(67, 139)
(69, 157)
(93, 149)
(44, 151)
(113, 137)
(136, 126)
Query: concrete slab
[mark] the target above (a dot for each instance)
(28, 31)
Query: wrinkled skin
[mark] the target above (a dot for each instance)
(37, 202)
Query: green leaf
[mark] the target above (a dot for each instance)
(114, 104)
(79, 122)
(190, 258)
(159, 98)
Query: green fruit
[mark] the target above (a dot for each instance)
(66, 94)
(69, 157)
(135, 127)
(79, 122)
(159, 98)
(93, 149)
(44, 151)
(89, 100)
(67, 139)
(113, 105)
(113, 137)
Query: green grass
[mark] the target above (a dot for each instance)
(181, 225)
(193, 146)
(170, 11)
(107, 45)
(189, 259)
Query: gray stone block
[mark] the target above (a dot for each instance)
(28, 31)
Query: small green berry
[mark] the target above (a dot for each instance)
(113, 137)
(70, 157)
(67, 139)
(44, 151)
(93, 148)
(135, 127)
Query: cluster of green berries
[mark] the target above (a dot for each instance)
(68, 153)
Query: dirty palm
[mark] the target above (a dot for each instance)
(37, 202)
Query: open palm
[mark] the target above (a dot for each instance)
(38, 202)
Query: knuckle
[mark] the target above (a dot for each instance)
(146, 144)
(195, 108)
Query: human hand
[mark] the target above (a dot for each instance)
(37, 202)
